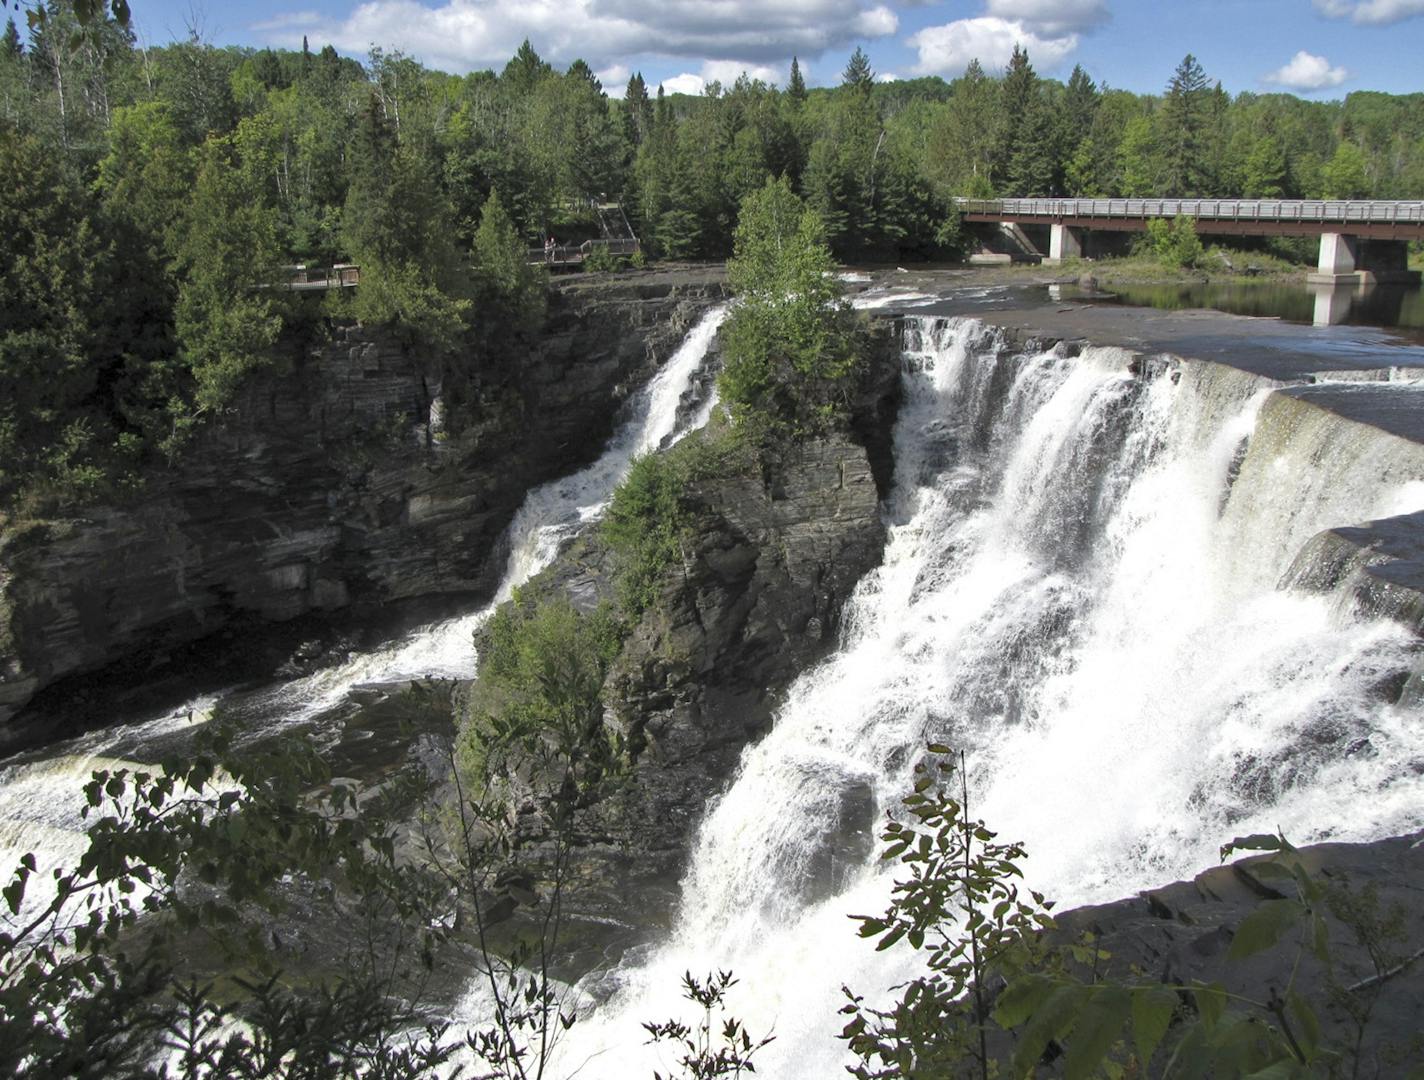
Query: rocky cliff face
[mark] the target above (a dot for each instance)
(773, 556)
(347, 481)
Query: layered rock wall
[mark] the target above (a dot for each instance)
(349, 480)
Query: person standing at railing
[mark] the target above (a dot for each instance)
(549, 249)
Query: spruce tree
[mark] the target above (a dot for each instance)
(1184, 118)
(858, 72)
(637, 112)
(795, 85)
(10, 46)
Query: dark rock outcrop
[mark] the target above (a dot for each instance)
(1181, 933)
(774, 554)
(363, 474)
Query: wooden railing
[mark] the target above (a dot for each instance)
(1326, 211)
(576, 254)
(312, 279)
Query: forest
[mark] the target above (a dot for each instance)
(156, 195)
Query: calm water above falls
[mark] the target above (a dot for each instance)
(1077, 593)
(1390, 306)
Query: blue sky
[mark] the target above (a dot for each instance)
(1317, 48)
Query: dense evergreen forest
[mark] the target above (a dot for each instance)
(153, 195)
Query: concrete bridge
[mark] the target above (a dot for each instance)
(1360, 240)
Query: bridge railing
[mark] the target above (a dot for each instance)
(1341, 211)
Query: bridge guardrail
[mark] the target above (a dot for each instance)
(1342, 211)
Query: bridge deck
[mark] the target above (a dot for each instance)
(1378, 219)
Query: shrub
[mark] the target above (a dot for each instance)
(1174, 241)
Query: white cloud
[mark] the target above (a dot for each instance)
(947, 50)
(726, 72)
(287, 19)
(685, 84)
(1051, 18)
(876, 22)
(1371, 12)
(614, 80)
(460, 35)
(1308, 72)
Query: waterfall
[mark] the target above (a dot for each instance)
(1079, 589)
(40, 792)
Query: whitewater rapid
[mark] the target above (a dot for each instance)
(1080, 590)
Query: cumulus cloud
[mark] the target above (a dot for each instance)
(727, 72)
(947, 50)
(614, 79)
(1051, 18)
(686, 83)
(1308, 72)
(460, 35)
(1371, 12)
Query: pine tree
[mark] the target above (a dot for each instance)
(795, 85)
(858, 72)
(10, 46)
(1016, 98)
(524, 69)
(1184, 119)
(637, 112)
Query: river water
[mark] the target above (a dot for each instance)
(1080, 589)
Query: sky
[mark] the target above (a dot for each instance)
(1320, 49)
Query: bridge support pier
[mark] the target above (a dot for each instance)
(1064, 242)
(1346, 259)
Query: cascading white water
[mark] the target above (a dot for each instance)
(1078, 589)
(40, 794)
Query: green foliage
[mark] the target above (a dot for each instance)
(788, 346)
(227, 323)
(652, 510)
(97, 965)
(962, 906)
(645, 527)
(1343, 176)
(1174, 241)
(541, 691)
(512, 293)
(602, 261)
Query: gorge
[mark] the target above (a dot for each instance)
(1157, 575)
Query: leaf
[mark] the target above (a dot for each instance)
(1052, 1020)
(1021, 999)
(1307, 1023)
(1097, 1029)
(1152, 1011)
(1264, 926)
(1210, 1002)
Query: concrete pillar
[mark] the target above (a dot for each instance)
(1064, 243)
(1337, 253)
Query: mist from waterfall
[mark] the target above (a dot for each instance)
(1080, 590)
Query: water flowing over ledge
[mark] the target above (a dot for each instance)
(1080, 589)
